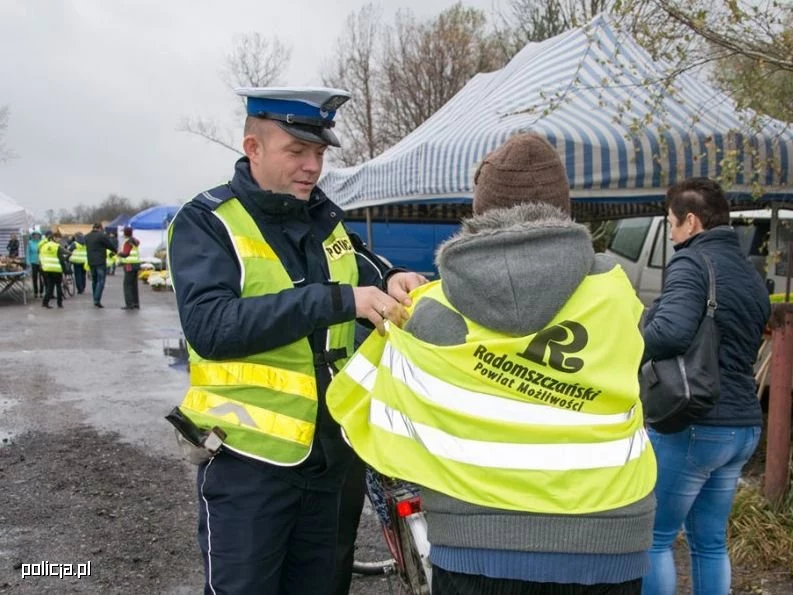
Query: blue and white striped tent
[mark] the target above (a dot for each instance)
(621, 139)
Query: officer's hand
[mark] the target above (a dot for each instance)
(401, 284)
(377, 307)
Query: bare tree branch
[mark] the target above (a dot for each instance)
(254, 61)
(355, 68)
(208, 130)
(426, 64)
(525, 21)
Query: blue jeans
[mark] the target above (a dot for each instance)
(98, 281)
(698, 471)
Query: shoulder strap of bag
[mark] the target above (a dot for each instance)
(711, 303)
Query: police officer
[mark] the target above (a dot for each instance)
(268, 286)
(79, 260)
(52, 256)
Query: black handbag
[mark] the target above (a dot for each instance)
(677, 391)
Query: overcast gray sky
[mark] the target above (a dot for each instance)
(97, 88)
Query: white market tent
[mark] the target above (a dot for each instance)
(586, 92)
(12, 215)
(13, 219)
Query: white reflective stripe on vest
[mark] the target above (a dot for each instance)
(362, 371)
(503, 455)
(435, 390)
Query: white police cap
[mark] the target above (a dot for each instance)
(304, 112)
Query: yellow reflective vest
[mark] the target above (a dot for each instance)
(546, 423)
(134, 254)
(48, 256)
(79, 254)
(267, 402)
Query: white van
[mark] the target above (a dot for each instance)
(642, 246)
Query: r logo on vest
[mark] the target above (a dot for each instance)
(558, 340)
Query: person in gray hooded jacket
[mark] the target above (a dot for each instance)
(512, 268)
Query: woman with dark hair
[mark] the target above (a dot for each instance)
(699, 467)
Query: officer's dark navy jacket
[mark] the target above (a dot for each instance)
(219, 325)
(743, 309)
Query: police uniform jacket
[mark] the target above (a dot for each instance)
(219, 325)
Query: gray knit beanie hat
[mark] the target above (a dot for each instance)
(526, 168)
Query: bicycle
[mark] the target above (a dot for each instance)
(402, 520)
(68, 281)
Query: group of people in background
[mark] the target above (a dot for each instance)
(94, 254)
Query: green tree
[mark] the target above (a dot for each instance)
(744, 46)
(757, 85)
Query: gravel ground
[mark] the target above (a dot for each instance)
(89, 469)
(82, 497)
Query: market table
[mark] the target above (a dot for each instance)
(13, 284)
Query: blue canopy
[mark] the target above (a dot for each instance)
(154, 217)
(119, 221)
(598, 97)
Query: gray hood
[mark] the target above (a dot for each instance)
(511, 270)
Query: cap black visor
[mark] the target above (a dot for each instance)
(311, 134)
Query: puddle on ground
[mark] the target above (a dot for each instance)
(176, 352)
(6, 434)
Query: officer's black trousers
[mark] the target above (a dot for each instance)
(259, 534)
(445, 582)
(53, 287)
(352, 497)
(131, 289)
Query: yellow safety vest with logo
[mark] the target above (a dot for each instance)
(48, 255)
(79, 254)
(546, 423)
(267, 403)
(134, 255)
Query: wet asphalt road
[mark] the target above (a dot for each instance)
(81, 366)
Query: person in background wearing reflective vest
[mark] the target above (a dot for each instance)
(79, 260)
(268, 286)
(129, 257)
(512, 397)
(52, 256)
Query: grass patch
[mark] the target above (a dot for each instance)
(759, 533)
